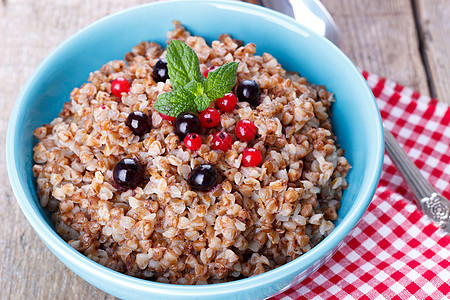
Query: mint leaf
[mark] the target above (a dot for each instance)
(195, 88)
(202, 102)
(175, 102)
(220, 81)
(183, 64)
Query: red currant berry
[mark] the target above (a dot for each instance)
(118, 86)
(227, 103)
(167, 118)
(251, 157)
(245, 130)
(192, 141)
(210, 69)
(209, 118)
(221, 141)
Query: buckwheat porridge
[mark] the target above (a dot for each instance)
(246, 185)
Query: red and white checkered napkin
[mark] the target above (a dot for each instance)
(395, 252)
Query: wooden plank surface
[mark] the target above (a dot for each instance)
(434, 30)
(379, 36)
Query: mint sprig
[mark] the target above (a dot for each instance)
(191, 92)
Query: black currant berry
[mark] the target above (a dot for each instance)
(248, 91)
(202, 178)
(139, 123)
(160, 71)
(128, 173)
(186, 123)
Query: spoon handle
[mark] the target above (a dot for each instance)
(434, 205)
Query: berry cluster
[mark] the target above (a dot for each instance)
(188, 127)
(128, 173)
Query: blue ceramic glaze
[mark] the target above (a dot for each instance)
(356, 122)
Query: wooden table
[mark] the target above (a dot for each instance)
(407, 41)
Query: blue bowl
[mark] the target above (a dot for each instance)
(356, 122)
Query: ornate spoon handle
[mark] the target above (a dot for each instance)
(433, 204)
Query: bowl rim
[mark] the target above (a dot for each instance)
(63, 249)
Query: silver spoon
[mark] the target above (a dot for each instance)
(309, 13)
(312, 14)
